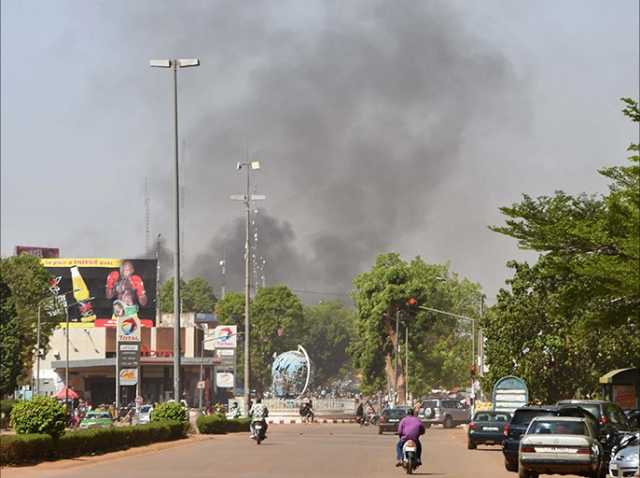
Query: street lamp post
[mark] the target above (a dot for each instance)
(473, 334)
(175, 64)
(247, 198)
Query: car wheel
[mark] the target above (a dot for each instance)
(448, 422)
(510, 466)
(471, 445)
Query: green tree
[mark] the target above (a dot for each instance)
(196, 296)
(276, 322)
(327, 331)
(24, 282)
(576, 313)
(385, 291)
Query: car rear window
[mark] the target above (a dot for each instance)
(491, 417)
(395, 413)
(524, 417)
(552, 427)
(430, 404)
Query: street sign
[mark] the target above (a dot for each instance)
(128, 376)
(509, 393)
(201, 385)
(129, 355)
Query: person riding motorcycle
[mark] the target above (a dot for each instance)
(258, 413)
(409, 428)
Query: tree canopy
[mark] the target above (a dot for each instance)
(24, 283)
(196, 296)
(575, 314)
(439, 346)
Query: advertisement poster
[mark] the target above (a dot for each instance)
(625, 396)
(129, 376)
(224, 380)
(101, 290)
(222, 337)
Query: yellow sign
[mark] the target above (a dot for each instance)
(82, 262)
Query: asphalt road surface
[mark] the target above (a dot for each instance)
(300, 451)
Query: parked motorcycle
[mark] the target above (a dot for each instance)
(409, 456)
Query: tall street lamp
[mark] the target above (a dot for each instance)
(175, 64)
(247, 198)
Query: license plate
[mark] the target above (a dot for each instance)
(393, 421)
(409, 448)
(490, 429)
(258, 427)
(555, 450)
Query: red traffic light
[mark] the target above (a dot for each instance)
(412, 301)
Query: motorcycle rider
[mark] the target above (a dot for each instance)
(258, 413)
(409, 428)
(360, 414)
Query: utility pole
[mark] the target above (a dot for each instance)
(406, 363)
(174, 64)
(396, 391)
(247, 198)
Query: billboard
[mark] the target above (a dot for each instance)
(104, 289)
(221, 337)
(42, 252)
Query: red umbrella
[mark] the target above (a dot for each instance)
(62, 394)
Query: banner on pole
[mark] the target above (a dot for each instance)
(224, 380)
(222, 337)
(128, 355)
(128, 376)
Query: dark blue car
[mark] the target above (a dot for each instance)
(487, 427)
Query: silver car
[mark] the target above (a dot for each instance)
(564, 445)
(626, 458)
(144, 415)
(446, 412)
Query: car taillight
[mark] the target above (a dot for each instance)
(472, 426)
(506, 430)
(527, 449)
(584, 451)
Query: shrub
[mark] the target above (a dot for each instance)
(218, 425)
(5, 411)
(40, 415)
(16, 449)
(171, 411)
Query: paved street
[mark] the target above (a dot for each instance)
(307, 451)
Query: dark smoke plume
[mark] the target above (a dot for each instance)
(358, 115)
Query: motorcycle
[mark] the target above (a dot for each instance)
(409, 456)
(259, 433)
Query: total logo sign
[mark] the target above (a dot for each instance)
(128, 329)
(225, 336)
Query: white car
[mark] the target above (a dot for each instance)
(562, 445)
(626, 458)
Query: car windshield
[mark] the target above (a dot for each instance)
(524, 417)
(491, 417)
(395, 413)
(557, 428)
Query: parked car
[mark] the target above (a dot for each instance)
(609, 416)
(633, 418)
(563, 445)
(390, 418)
(445, 412)
(487, 428)
(97, 419)
(516, 428)
(144, 414)
(626, 457)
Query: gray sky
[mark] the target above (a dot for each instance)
(381, 126)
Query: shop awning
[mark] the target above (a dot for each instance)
(608, 377)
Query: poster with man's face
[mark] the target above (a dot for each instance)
(101, 290)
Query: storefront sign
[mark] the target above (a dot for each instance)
(128, 329)
(510, 393)
(222, 337)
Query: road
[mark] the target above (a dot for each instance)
(300, 451)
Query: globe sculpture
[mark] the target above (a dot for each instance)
(291, 373)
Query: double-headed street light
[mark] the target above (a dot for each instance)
(247, 198)
(175, 64)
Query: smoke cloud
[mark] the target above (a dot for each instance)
(357, 114)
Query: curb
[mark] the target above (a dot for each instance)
(294, 421)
